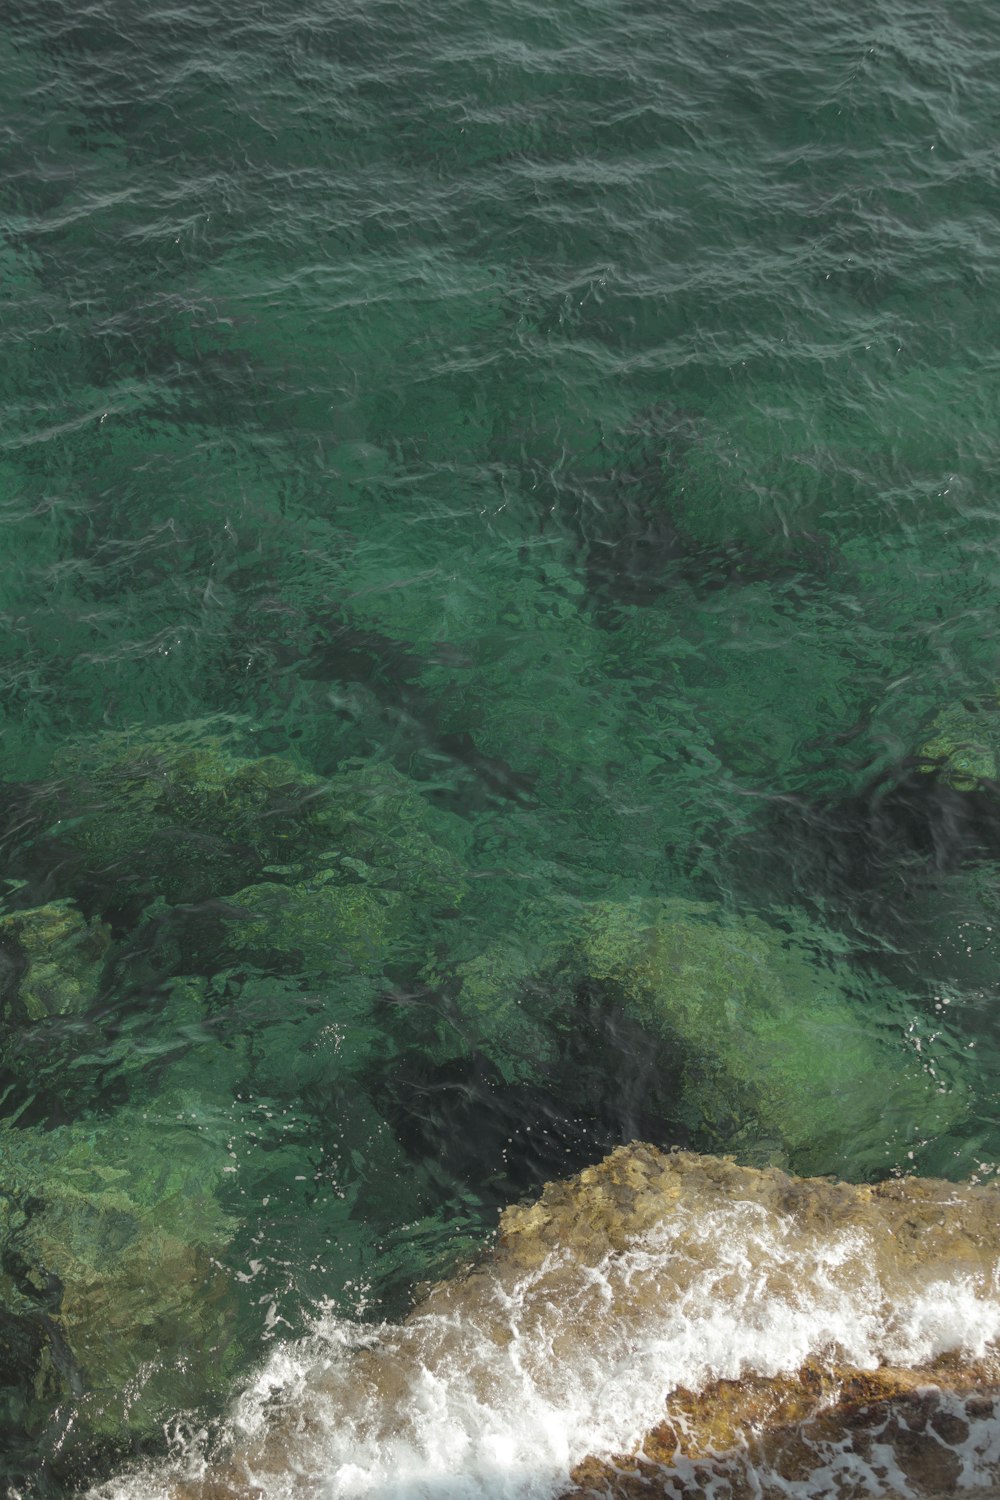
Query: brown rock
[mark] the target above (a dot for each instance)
(578, 1278)
(755, 1437)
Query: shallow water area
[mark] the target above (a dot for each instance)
(498, 522)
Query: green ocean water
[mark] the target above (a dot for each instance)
(498, 577)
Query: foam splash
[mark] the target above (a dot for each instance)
(574, 1339)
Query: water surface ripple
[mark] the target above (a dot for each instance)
(498, 577)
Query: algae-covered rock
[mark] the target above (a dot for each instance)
(321, 927)
(111, 1286)
(962, 747)
(503, 1003)
(389, 834)
(783, 1051)
(51, 962)
(176, 814)
(390, 863)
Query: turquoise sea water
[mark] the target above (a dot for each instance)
(498, 536)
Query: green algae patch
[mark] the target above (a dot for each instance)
(175, 814)
(110, 1271)
(499, 999)
(321, 928)
(505, 1003)
(781, 1045)
(371, 897)
(962, 747)
(51, 962)
(389, 834)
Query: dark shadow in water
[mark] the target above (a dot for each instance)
(855, 861)
(629, 531)
(608, 1086)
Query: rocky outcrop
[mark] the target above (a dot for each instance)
(961, 746)
(889, 1433)
(177, 815)
(722, 1330)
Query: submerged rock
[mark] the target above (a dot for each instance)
(51, 962)
(175, 814)
(784, 1053)
(962, 747)
(671, 1310)
(322, 926)
(115, 1309)
(505, 1004)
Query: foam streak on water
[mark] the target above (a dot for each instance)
(500, 1386)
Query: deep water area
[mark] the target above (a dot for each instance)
(499, 519)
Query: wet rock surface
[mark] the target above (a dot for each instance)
(891, 1385)
(823, 1431)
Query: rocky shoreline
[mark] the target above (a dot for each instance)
(904, 1400)
(768, 1437)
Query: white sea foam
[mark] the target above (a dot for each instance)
(499, 1392)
